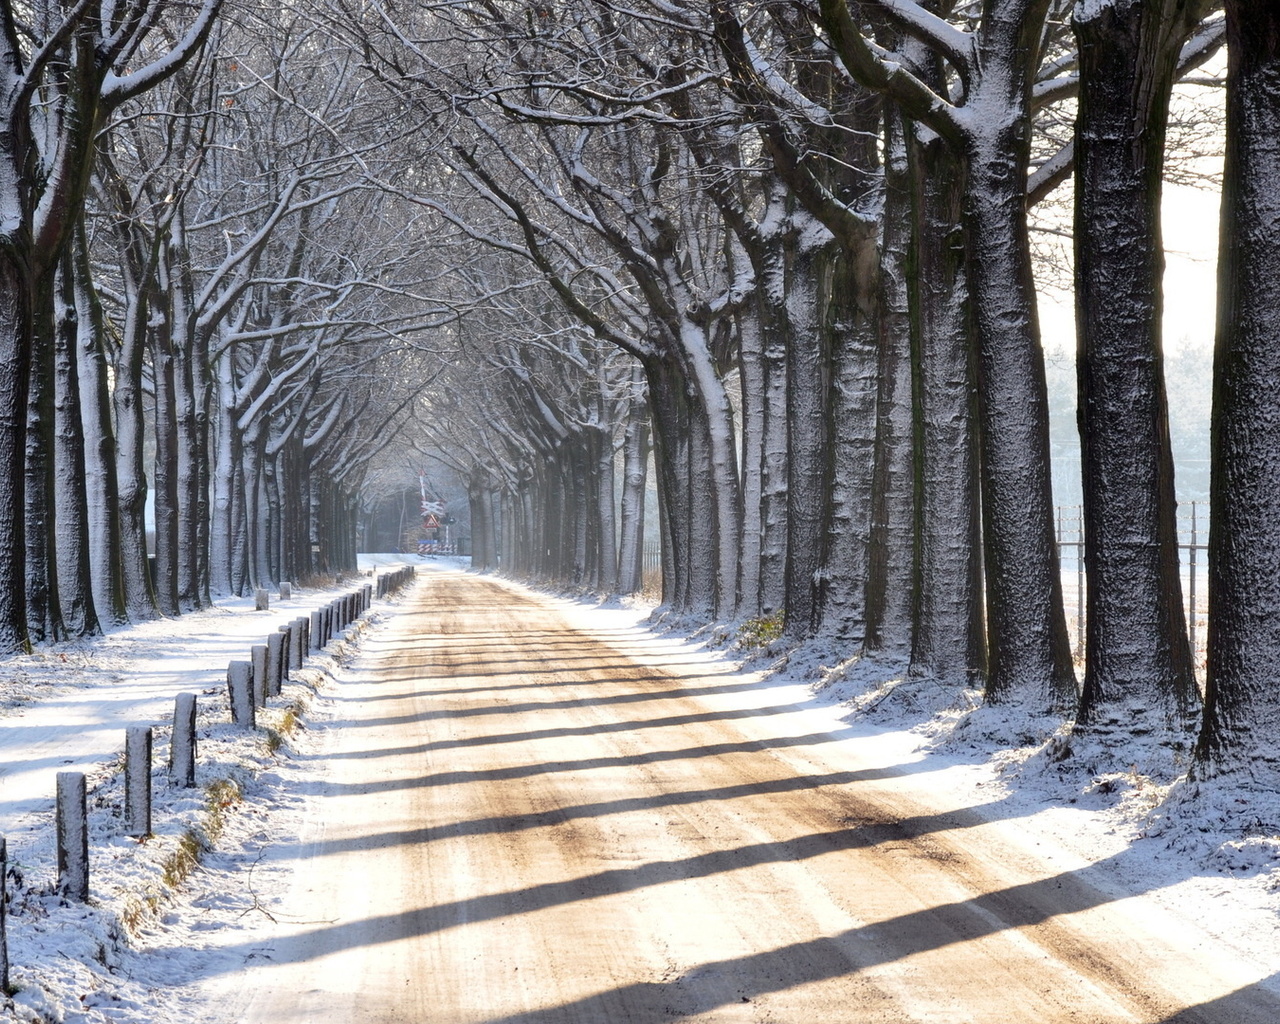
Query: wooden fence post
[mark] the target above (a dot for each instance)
(286, 652)
(4, 940)
(72, 820)
(275, 663)
(137, 781)
(240, 688)
(182, 744)
(261, 601)
(298, 644)
(286, 590)
(258, 656)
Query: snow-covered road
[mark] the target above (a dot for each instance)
(508, 819)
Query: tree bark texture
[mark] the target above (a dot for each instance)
(891, 562)
(75, 575)
(949, 641)
(1138, 670)
(1242, 701)
(1028, 649)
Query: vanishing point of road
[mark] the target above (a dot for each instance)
(518, 821)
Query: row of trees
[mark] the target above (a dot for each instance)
(253, 251)
(807, 226)
(205, 309)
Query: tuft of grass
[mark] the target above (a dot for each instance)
(137, 911)
(761, 632)
(219, 795)
(179, 864)
(274, 741)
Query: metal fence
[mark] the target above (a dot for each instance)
(1193, 536)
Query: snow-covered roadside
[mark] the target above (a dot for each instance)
(1126, 815)
(77, 964)
(66, 709)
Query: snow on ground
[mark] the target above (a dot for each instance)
(1211, 856)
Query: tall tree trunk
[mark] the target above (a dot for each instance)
(15, 369)
(607, 528)
(635, 460)
(1242, 702)
(891, 566)
(808, 387)
(126, 400)
(852, 320)
(715, 483)
(190, 441)
(773, 485)
(688, 574)
(44, 614)
(949, 642)
(751, 383)
(1138, 669)
(75, 577)
(166, 470)
(101, 487)
(1030, 655)
(225, 471)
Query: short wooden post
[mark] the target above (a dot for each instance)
(286, 653)
(286, 590)
(275, 663)
(182, 744)
(4, 940)
(261, 600)
(4, 899)
(258, 657)
(297, 644)
(240, 689)
(137, 781)
(317, 630)
(72, 824)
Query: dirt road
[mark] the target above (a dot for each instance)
(520, 823)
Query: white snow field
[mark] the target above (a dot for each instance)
(166, 940)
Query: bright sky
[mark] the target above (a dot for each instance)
(1190, 285)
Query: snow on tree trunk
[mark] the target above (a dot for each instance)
(165, 488)
(126, 400)
(891, 568)
(1242, 701)
(100, 480)
(606, 519)
(751, 384)
(15, 353)
(1030, 656)
(44, 614)
(635, 459)
(773, 488)
(712, 413)
(225, 462)
(1138, 668)
(687, 585)
(808, 423)
(854, 366)
(75, 579)
(949, 642)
